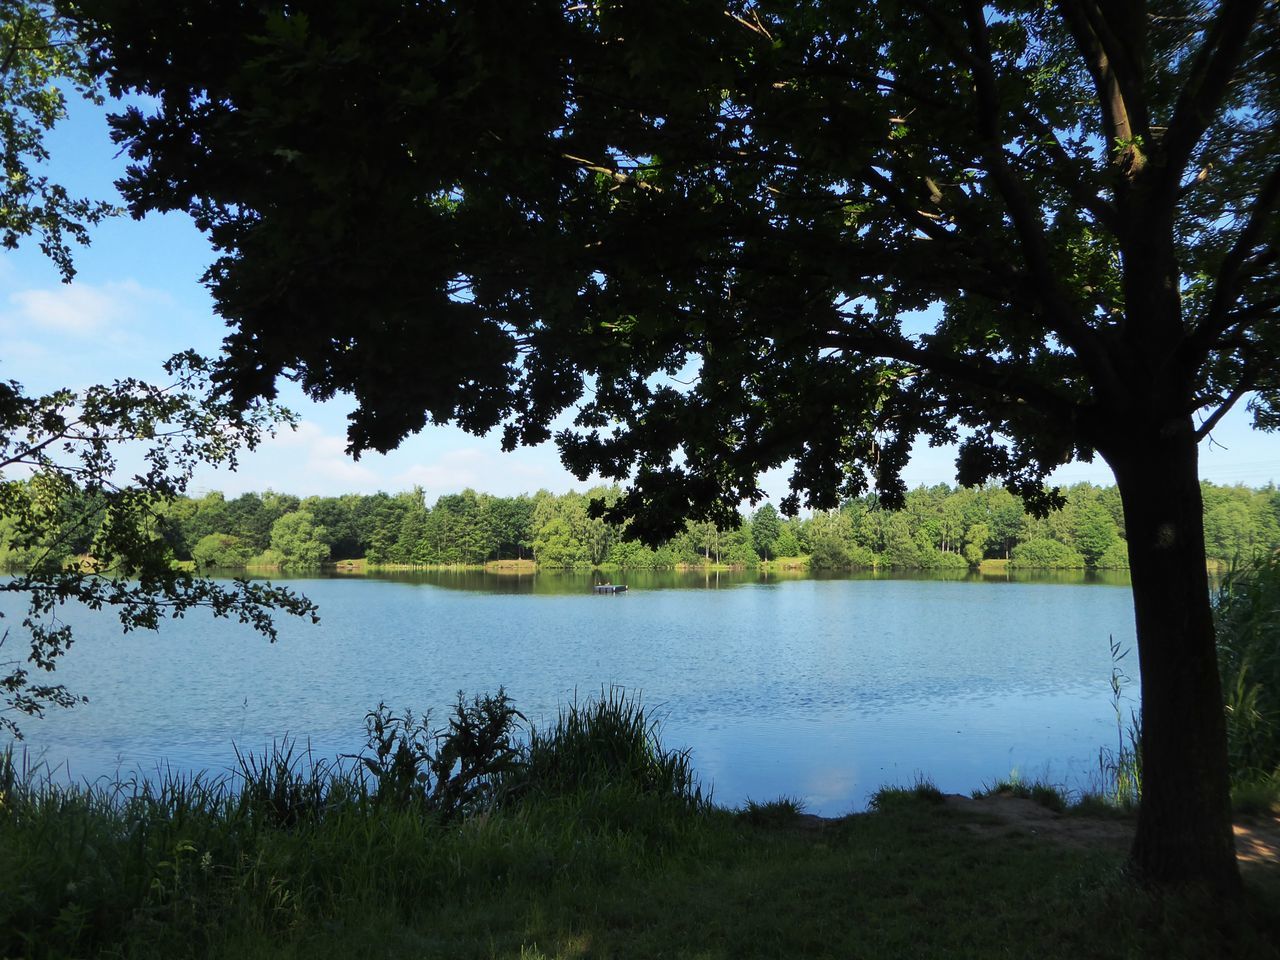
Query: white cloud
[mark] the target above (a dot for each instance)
(321, 460)
(487, 471)
(306, 461)
(80, 309)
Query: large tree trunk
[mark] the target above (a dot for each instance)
(1184, 821)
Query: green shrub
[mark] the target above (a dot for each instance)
(221, 550)
(1044, 554)
(922, 790)
(935, 559)
(267, 558)
(1116, 557)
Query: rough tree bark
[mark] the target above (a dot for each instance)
(1184, 821)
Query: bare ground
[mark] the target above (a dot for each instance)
(1002, 814)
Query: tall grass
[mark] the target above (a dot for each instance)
(607, 742)
(288, 839)
(1247, 620)
(1246, 612)
(1120, 769)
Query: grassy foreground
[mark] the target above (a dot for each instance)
(590, 840)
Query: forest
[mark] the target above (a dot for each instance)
(939, 528)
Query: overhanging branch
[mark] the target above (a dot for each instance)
(1063, 320)
(1220, 318)
(1212, 69)
(977, 372)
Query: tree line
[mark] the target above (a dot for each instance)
(939, 528)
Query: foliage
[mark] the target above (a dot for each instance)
(293, 856)
(1048, 795)
(765, 530)
(78, 531)
(1095, 533)
(1116, 557)
(614, 151)
(40, 62)
(448, 772)
(299, 541)
(1247, 616)
(1045, 555)
(70, 448)
(606, 743)
(1120, 770)
(940, 528)
(220, 550)
(922, 790)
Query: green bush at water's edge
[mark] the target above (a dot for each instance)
(1045, 555)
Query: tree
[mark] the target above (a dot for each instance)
(720, 217)
(829, 536)
(765, 530)
(1008, 520)
(1094, 531)
(1227, 529)
(976, 539)
(220, 550)
(297, 538)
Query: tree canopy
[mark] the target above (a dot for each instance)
(729, 237)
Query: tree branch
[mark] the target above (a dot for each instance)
(1243, 387)
(1063, 321)
(1061, 172)
(876, 180)
(975, 371)
(1212, 69)
(1219, 318)
(13, 47)
(1082, 18)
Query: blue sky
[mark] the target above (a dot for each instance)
(137, 300)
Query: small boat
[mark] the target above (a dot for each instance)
(609, 588)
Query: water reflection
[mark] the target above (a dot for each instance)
(558, 582)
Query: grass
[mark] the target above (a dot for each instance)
(1260, 796)
(1247, 620)
(591, 839)
(923, 790)
(1048, 795)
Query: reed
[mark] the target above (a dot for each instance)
(608, 741)
(1247, 619)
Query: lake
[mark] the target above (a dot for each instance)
(821, 689)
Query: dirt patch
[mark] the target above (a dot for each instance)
(1258, 841)
(1001, 814)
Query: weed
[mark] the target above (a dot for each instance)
(923, 789)
(1247, 621)
(610, 740)
(1120, 770)
(1048, 795)
(771, 813)
(1260, 796)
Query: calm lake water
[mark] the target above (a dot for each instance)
(822, 689)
